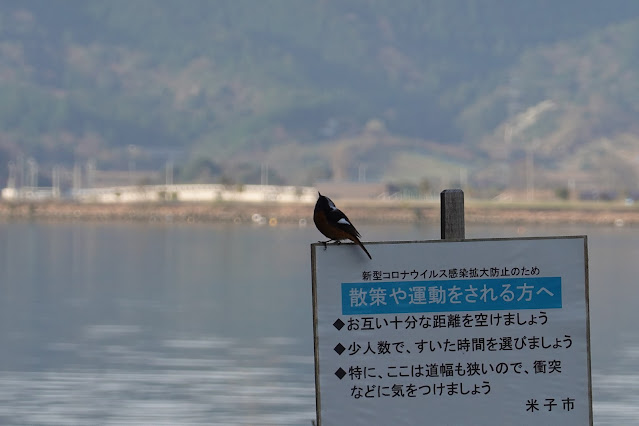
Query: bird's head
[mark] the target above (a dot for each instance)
(324, 203)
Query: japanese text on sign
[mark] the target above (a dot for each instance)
(453, 295)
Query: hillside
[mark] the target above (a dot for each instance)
(321, 89)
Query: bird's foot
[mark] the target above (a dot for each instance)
(326, 242)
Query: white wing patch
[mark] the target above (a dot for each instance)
(343, 221)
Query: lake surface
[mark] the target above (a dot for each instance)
(129, 324)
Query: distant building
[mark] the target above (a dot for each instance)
(27, 193)
(196, 193)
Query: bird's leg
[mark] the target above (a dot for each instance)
(328, 241)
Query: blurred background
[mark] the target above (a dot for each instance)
(231, 106)
(490, 95)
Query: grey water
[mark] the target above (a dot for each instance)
(147, 324)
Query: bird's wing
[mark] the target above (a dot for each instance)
(339, 219)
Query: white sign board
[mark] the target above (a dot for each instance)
(473, 332)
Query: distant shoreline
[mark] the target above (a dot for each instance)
(362, 211)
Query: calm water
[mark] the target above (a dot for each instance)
(211, 325)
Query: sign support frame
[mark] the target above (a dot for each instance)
(452, 228)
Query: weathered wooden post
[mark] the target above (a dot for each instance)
(452, 214)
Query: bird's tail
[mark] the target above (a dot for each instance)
(359, 243)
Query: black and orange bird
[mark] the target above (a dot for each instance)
(334, 224)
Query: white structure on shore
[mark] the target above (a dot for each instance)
(87, 184)
(196, 192)
(118, 187)
(28, 193)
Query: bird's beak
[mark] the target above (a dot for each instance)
(319, 193)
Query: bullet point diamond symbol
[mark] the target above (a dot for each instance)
(338, 324)
(340, 373)
(339, 348)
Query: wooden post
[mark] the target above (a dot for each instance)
(452, 214)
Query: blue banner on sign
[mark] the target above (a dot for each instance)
(451, 295)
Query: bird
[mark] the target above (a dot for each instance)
(334, 224)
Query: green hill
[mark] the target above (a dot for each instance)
(318, 88)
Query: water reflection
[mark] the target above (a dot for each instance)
(189, 325)
(180, 382)
(615, 388)
(151, 325)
